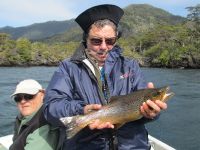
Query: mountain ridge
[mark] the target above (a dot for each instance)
(137, 18)
(38, 31)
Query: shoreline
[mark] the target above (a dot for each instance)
(56, 65)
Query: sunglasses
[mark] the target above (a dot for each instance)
(99, 41)
(19, 97)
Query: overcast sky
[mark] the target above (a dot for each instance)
(17, 13)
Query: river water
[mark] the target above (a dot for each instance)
(177, 126)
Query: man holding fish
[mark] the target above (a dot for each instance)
(91, 81)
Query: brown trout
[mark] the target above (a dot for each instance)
(120, 109)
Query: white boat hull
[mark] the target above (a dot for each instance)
(5, 141)
(156, 144)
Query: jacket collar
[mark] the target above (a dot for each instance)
(79, 54)
(114, 54)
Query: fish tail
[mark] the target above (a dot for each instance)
(72, 126)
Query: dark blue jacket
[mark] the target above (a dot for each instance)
(74, 85)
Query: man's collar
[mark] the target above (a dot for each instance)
(79, 53)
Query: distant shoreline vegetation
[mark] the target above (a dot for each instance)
(154, 43)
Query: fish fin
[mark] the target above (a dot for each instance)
(72, 126)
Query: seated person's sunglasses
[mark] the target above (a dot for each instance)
(19, 97)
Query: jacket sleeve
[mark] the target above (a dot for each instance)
(59, 99)
(138, 80)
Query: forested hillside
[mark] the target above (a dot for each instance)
(153, 36)
(39, 31)
(137, 18)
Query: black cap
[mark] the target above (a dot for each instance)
(106, 11)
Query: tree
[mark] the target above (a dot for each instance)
(194, 22)
(194, 13)
(23, 46)
(193, 26)
(3, 38)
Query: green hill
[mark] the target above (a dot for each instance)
(138, 18)
(151, 35)
(142, 17)
(39, 31)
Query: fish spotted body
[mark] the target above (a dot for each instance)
(120, 109)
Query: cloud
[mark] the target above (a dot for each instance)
(37, 10)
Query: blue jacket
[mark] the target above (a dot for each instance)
(74, 85)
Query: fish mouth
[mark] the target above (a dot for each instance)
(167, 94)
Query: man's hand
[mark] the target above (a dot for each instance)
(96, 124)
(150, 109)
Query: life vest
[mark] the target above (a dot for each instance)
(19, 140)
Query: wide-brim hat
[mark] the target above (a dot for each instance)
(105, 11)
(28, 86)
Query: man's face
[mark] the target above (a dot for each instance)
(100, 41)
(29, 106)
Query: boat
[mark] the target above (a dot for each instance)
(5, 142)
(156, 144)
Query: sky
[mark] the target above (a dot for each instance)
(18, 13)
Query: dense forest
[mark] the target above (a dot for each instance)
(156, 39)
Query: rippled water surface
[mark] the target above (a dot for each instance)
(178, 126)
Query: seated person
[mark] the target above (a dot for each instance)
(32, 132)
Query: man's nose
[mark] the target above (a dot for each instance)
(103, 45)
